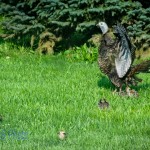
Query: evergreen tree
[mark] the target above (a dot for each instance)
(64, 18)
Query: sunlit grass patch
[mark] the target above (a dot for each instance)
(41, 95)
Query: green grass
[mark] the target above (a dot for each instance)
(41, 95)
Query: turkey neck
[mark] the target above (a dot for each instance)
(107, 43)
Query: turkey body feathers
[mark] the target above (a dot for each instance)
(108, 51)
(116, 57)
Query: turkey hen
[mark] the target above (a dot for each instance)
(116, 58)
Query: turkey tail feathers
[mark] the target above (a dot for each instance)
(121, 32)
(143, 67)
(124, 59)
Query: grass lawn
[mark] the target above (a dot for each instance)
(39, 96)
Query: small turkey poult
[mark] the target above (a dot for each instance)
(103, 104)
(62, 135)
(116, 57)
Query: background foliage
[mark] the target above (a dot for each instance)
(72, 22)
(82, 53)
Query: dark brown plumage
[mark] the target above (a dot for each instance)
(116, 57)
(103, 104)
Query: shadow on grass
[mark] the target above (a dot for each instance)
(105, 83)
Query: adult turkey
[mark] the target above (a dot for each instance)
(116, 58)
